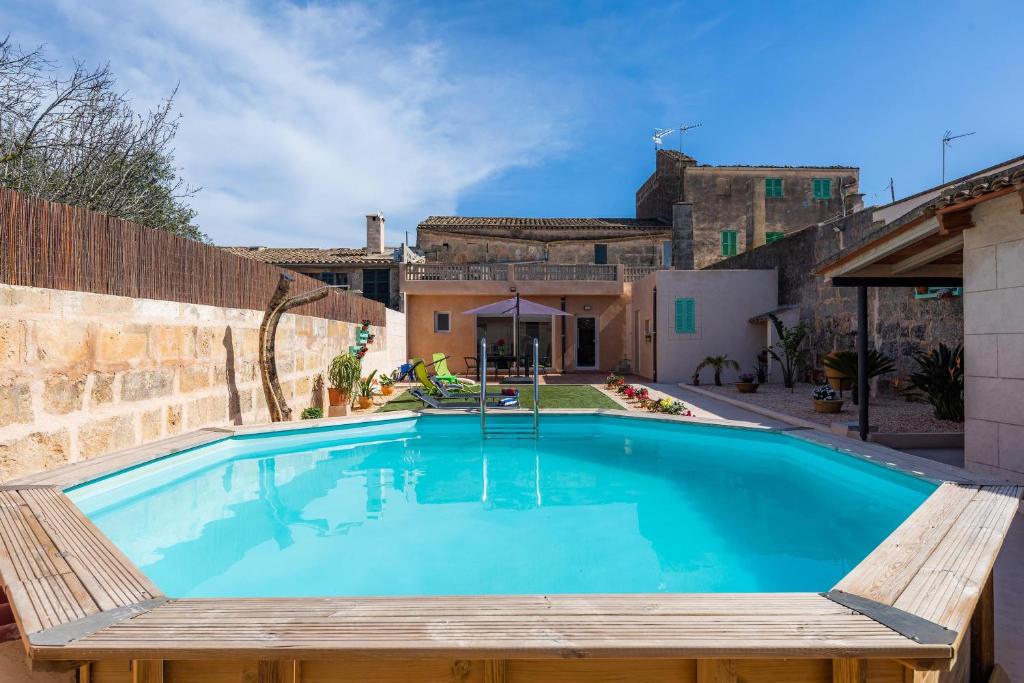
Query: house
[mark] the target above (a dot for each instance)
(721, 211)
(371, 270)
(970, 235)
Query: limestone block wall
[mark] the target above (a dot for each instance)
(85, 374)
(994, 338)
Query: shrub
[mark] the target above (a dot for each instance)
(719, 363)
(748, 378)
(312, 413)
(939, 380)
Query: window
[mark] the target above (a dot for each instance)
(442, 321)
(822, 188)
(666, 253)
(686, 316)
(773, 237)
(333, 279)
(729, 242)
(377, 285)
(723, 186)
(600, 253)
(773, 187)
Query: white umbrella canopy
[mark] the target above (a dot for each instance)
(515, 308)
(506, 308)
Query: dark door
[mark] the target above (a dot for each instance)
(377, 284)
(586, 342)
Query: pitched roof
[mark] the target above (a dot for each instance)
(972, 188)
(545, 229)
(312, 255)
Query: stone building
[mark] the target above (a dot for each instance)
(721, 211)
(371, 270)
(904, 319)
(626, 241)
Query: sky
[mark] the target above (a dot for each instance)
(299, 118)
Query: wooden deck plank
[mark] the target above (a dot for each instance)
(111, 577)
(948, 586)
(499, 627)
(885, 573)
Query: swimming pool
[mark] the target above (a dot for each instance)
(422, 506)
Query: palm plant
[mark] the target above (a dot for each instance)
(719, 363)
(939, 380)
(845, 362)
(788, 350)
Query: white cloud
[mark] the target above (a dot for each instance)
(300, 120)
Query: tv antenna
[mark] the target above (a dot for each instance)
(947, 138)
(683, 127)
(660, 134)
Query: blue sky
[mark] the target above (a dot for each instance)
(299, 118)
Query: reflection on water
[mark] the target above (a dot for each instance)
(436, 510)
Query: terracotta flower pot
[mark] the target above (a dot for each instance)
(836, 379)
(833, 406)
(387, 389)
(337, 397)
(747, 387)
(365, 402)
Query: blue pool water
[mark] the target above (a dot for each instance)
(425, 507)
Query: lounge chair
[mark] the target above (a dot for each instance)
(426, 380)
(442, 372)
(443, 403)
(445, 392)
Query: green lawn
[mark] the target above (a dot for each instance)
(551, 396)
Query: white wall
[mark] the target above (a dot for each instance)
(725, 302)
(994, 338)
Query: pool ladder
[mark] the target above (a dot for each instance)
(490, 431)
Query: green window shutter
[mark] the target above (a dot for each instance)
(729, 242)
(823, 188)
(686, 316)
(773, 237)
(773, 188)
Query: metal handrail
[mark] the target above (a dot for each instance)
(482, 366)
(536, 386)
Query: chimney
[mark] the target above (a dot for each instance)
(375, 233)
(682, 236)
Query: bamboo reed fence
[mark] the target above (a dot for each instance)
(57, 246)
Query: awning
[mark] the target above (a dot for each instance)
(507, 309)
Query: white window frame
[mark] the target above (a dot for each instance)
(447, 313)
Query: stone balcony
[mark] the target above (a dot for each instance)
(527, 278)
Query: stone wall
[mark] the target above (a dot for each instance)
(84, 374)
(994, 355)
(644, 250)
(900, 324)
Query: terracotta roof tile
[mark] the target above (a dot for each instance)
(312, 255)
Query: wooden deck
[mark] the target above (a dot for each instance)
(77, 598)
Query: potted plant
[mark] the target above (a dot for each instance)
(939, 380)
(387, 385)
(612, 380)
(845, 363)
(826, 400)
(364, 390)
(343, 374)
(747, 383)
(719, 363)
(312, 413)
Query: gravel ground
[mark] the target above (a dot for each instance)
(889, 413)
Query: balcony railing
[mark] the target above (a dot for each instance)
(576, 271)
(634, 273)
(488, 272)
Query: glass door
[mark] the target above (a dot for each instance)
(586, 343)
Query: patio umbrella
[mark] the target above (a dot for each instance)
(513, 308)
